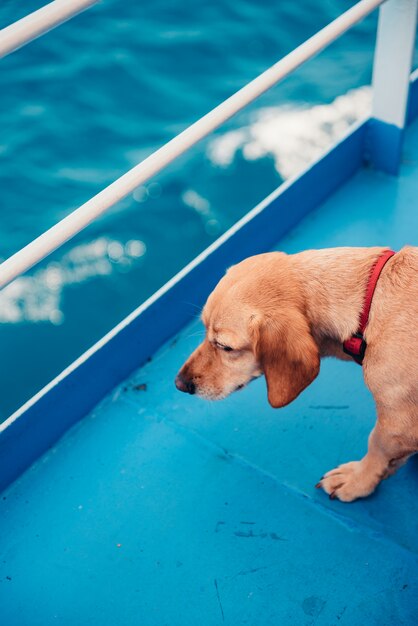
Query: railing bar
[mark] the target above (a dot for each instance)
(80, 218)
(39, 22)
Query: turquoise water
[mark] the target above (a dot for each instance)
(91, 99)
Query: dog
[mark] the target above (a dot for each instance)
(278, 315)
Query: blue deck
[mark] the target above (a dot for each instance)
(163, 509)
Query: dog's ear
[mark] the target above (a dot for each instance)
(287, 354)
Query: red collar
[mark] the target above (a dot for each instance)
(356, 345)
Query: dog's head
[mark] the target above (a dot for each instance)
(255, 324)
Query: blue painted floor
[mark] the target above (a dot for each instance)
(163, 509)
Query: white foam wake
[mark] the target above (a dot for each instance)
(37, 297)
(294, 137)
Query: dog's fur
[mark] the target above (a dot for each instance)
(281, 313)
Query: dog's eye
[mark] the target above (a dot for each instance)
(224, 348)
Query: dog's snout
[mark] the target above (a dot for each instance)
(185, 385)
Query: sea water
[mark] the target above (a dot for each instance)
(91, 99)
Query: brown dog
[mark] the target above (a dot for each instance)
(278, 314)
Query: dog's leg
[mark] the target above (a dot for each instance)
(388, 449)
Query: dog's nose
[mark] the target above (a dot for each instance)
(187, 386)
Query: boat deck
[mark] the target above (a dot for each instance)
(163, 509)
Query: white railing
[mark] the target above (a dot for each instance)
(67, 228)
(40, 22)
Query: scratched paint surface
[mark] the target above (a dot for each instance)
(162, 509)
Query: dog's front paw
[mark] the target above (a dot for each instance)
(348, 482)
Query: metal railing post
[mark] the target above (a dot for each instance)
(391, 78)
